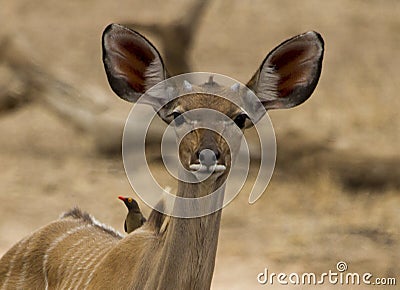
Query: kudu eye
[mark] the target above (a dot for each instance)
(178, 118)
(240, 120)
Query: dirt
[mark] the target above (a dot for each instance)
(335, 193)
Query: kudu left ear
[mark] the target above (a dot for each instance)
(133, 65)
(290, 72)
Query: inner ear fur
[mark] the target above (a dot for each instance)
(132, 63)
(290, 72)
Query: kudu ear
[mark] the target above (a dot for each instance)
(133, 65)
(290, 72)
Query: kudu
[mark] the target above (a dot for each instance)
(78, 252)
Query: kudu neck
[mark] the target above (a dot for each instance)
(190, 244)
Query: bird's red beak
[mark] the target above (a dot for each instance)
(122, 198)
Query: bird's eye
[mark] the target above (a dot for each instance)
(130, 200)
(178, 118)
(240, 120)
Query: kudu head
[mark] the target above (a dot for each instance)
(286, 78)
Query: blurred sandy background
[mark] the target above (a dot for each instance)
(335, 193)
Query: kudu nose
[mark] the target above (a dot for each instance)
(207, 161)
(208, 157)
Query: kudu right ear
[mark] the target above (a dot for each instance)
(132, 64)
(290, 72)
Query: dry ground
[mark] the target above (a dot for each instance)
(335, 194)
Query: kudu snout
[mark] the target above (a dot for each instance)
(208, 157)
